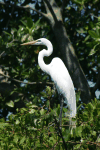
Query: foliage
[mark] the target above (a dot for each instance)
(19, 66)
(35, 128)
(81, 23)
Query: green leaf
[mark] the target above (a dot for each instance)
(81, 30)
(93, 34)
(48, 103)
(2, 125)
(24, 23)
(22, 140)
(78, 95)
(29, 22)
(90, 106)
(31, 106)
(17, 121)
(87, 37)
(98, 140)
(42, 111)
(16, 137)
(7, 33)
(93, 51)
(10, 104)
(94, 133)
(36, 24)
(99, 19)
(44, 77)
(78, 131)
(65, 109)
(52, 139)
(79, 2)
(23, 110)
(32, 111)
(77, 146)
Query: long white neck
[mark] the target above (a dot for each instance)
(43, 53)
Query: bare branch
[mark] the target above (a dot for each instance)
(26, 8)
(48, 83)
(93, 15)
(50, 8)
(41, 13)
(2, 53)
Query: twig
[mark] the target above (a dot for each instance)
(93, 15)
(49, 83)
(25, 7)
(61, 108)
(2, 53)
(60, 133)
(28, 7)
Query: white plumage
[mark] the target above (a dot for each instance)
(59, 74)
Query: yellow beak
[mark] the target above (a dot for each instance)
(29, 43)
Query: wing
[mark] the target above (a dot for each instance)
(63, 82)
(59, 71)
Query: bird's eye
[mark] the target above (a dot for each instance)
(39, 40)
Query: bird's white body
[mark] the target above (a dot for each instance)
(60, 75)
(65, 84)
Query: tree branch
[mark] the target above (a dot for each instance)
(41, 13)
(26, 7)
(50, 8)
(2, 53)
(48, 83)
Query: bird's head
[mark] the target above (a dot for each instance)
(41, 41)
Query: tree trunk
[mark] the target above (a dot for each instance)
(54, 15)
(71, 61)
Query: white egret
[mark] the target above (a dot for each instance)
(59, 74)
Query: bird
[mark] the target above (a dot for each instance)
(59, 74)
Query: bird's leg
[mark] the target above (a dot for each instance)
(61, 108)
(72, 124)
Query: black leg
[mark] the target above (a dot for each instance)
(61, 108)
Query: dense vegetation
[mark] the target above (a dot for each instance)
(29, 105)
